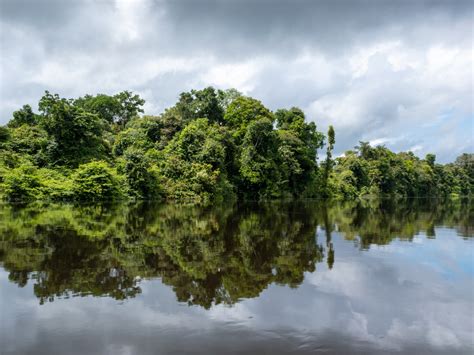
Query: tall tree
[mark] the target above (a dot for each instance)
(328, 164)
(118, 109)
(258, 159)
(76, 135)
(242, 111)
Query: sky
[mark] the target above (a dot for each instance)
(398, 73)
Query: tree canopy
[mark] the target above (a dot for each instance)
(212, 144)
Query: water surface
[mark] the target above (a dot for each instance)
(303, 277)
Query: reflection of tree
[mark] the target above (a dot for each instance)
(225, 256)
(207, 255)
(381, 221)
(66, 263)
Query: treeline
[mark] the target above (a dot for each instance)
(212, 144)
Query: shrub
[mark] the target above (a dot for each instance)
(21, 184)
(142, 178)
(55, 185)
(96, 181)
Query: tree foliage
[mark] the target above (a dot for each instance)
(96, 181)
(23, 116)
(368, 170)
(118, 109)
(212, 144)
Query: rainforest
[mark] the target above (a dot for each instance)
(211, 145)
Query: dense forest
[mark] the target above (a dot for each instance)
(211, 145)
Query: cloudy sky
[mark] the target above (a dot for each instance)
(398, 73)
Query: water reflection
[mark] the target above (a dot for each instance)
(208, 256)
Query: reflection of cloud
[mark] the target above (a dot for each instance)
(237, 313)
(434, 333)
(388, 304)
(390, 298)
(346, 279)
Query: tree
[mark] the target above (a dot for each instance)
(328, 164)
(96, 181)
(241, 112)
(195, 162)
(4, 135)
(365, 150)
(21, 184)
(258, 159)
(212, 144)
(130, 106)
(142, 179)
(200, 104)
(298, 144)
(23, 116)
(131, 137)
(291, 119)
(76, 135)
(430, 159)
(28, 139)
(226, 97)
(118, 109)
(106, 107)
(466, 162)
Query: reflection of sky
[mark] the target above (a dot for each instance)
(403, 297)
(451, 257)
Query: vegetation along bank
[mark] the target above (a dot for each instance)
(212, 144)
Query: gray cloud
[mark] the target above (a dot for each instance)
(398, 72)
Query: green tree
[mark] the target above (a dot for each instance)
(241, 112)
(131, 138)
(201, 104)
(21, 184)
(4, 135)
(130, 106)
(258, 160)
(430, 159)
(75, 135)
(96, 181)
(226, 97)
(142, 178)
(23, 116)
(196, 160)
(30, 141)
(118, 109)
(297, 147)
(105, 106)
(328, 164)
(211, 144)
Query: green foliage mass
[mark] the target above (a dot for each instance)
(378, 171)
(96, 181)
(212, 144)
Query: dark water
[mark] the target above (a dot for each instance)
(378, 277)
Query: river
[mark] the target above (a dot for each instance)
(302, 277)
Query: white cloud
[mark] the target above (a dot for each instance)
(394, 75)
(238, 75)
(416, 148)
